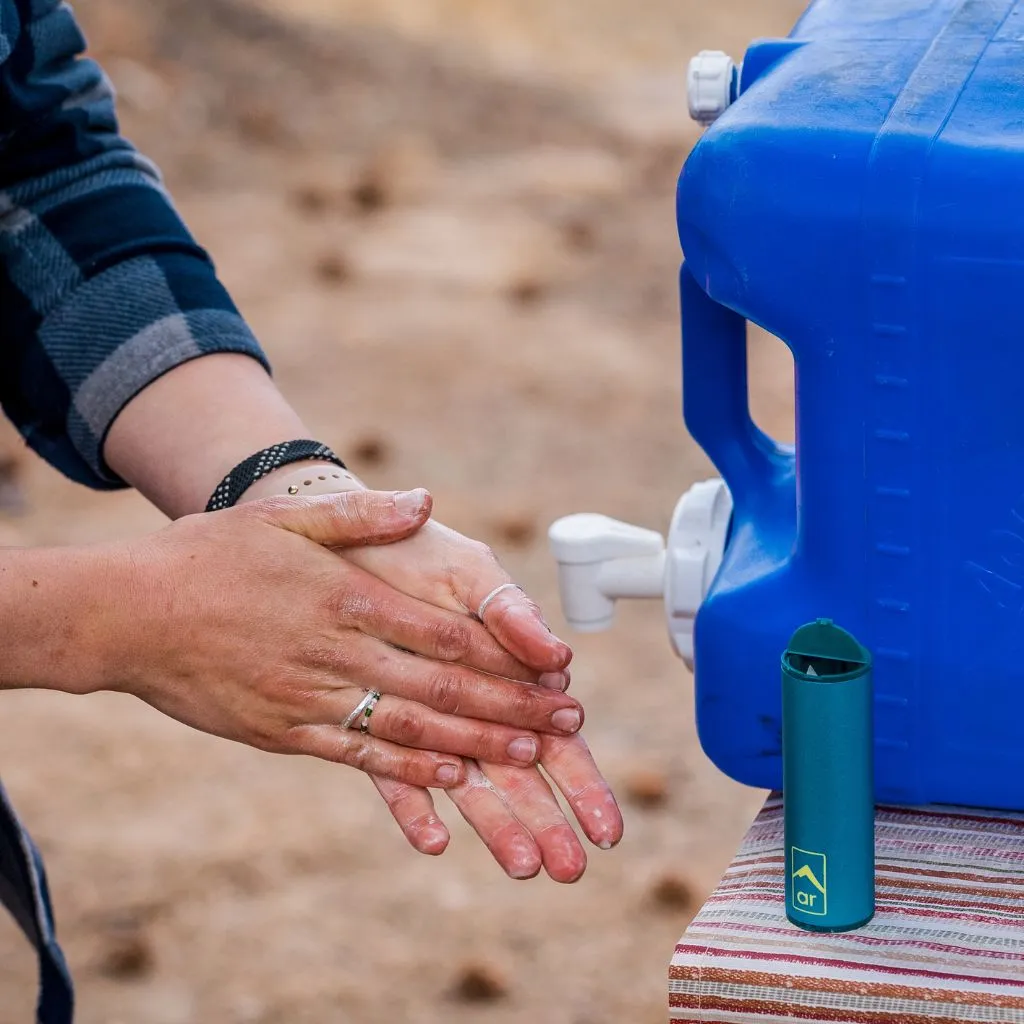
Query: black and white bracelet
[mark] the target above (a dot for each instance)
(257, 466)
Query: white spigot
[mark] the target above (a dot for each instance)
(602, 560)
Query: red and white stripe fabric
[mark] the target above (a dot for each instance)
(946, 944)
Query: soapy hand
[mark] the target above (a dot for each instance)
(513, 810)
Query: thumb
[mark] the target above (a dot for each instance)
(351, 518)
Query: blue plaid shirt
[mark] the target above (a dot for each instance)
(102, 290)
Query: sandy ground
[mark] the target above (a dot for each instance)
(451, 224)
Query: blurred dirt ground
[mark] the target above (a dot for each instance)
(451, 223)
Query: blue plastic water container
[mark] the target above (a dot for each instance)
(863, 200)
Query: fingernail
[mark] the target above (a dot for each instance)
(555, 680)
(529, 614)
(566, 720)
(447, 775)
(524, 862)
(410, 503)
(564, 650)
(609, 832)
(523, 749)
(433, 841)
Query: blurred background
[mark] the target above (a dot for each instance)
(451, 224)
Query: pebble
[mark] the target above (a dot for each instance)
(370, 451)
(672, 892)
(646, 787)
(126, 953)
(479, 983)
(517, 531)
(526, 291)
(402, 171)
(333, 268)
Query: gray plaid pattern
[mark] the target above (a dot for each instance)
(102, 288)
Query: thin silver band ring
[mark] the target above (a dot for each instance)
(363, 709)
(492, 595)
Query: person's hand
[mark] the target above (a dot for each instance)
(515, 813)
(513, 810)
(444, 568)
(243, 624)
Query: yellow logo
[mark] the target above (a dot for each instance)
(809, 874)
(806, 872)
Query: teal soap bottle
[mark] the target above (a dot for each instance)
(828, 779)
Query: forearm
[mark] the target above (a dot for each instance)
(176, 440)
(58, 607)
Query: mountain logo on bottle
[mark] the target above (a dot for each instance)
(809, 876)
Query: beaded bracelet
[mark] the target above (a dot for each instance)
(257, 466)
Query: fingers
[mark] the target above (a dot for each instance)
(446, 569)
(572, 769)
(466, 572)
(555, 680)
(412, 725)
(454, 689)
(413, 809)
(511, 616)
(375, 756)
(433, 632)
(517, 623)
(515, 813)
(502, 833)
(529, 796)
(349, 518)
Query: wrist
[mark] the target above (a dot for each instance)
(263, 463)
(303, 479)
(178, 437)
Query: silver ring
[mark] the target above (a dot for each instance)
(363, 709)
(492, 595)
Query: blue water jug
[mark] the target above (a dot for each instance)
(863, 200)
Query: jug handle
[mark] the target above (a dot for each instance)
(716, 404)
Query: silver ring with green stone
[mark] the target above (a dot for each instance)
(369, 700)
(364, 725)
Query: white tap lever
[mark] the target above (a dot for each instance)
(696, 546)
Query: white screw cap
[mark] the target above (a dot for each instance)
(709, 85)
(601, 560)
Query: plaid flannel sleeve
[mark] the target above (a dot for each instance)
(102, 288)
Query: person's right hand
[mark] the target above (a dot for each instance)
(244, 624)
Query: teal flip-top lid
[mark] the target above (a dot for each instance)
(823, 650)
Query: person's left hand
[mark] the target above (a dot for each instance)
(513, 810)
(515, 813)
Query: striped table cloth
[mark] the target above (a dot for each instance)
(947, 942)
